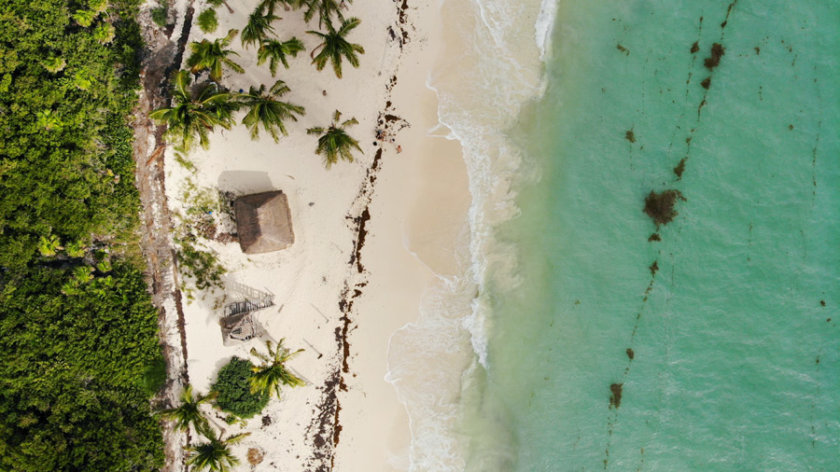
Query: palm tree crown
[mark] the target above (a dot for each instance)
(266, 109)
(188, 413)
(275, 51)
(334, 142)
(272, 373)
(195, 112)
(325, 10)
(334, 46)
(215, 454)
(212, 55)
(258, 27)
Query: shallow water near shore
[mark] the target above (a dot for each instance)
(707, 343)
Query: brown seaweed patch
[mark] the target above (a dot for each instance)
(695, 47)
(630, 136)
(660, 206)
(757, 50)
(654, 237)
(653, 268)
(615, 395)
(623, 49)
(822, 302)
(714, 60)
(630, 353)
(706, 83)
(680, 168)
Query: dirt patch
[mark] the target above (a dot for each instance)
(255, 456)
(660, 206)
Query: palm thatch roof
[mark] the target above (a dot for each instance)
(264, 222)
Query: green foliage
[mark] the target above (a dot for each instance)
(334, 142)
(212, 55)
(233, 386)
(188, 413)
(71, 370)
(267, 110)
(75, 342)
(214, 454)
(271, 374)
(274, 51)
(195, 112)
(326, 10)
(160, 14)
(208, 21)
(201, 265)
(334, 47)
(258, 27)
(154, 377)
(198, 223)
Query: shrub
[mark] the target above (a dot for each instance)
(207, 21)
(234, 388)
(159, 15)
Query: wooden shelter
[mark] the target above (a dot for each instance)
(264, 222)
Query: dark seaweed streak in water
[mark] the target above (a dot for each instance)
(680, 168)
(660, 206)
(714, 60)
(695, 47)
(630, 353)
(615, 395)
(630, 136)
(706, 83)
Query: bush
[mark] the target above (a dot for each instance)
(234, 388)
(207, 21)
(159, 15)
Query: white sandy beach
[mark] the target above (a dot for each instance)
(416, 199)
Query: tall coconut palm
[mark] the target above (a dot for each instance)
(212, 55)
(258, 27)
(216, 3)
(214, 454)
(272, 373)
(334, 142)
(195, 112)
(268, 110)
(188, 413)
(274, 51)
(334, 47)
(269, 5)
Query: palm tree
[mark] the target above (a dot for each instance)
(188, 413)
(335, 46)
(325, 10)
(334, 142)
(270, 5)
(195, 112)
(258, 27)
(272, 373)
(216, 3)
(275, 51)
(212, 56)
(266, 109)
(215, 454)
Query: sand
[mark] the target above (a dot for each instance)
(370, 237)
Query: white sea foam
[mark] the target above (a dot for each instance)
(493, 69)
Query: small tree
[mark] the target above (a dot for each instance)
(208, 21)
(258, 27)
(272, 373)
(212, 55)
(233, 385)
(274, 51)
(334, 142)
(215, 454)
(188, 413)
(268, 110)
(334, 47)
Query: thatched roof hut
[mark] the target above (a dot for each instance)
(264, 222)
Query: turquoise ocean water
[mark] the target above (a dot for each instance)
(722, 337)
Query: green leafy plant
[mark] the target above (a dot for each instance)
(326, 10)
(335, 47)
(104, 33)
(258, 27)
(267, 110)
(160, 14)
(233, 386)
(85, 18)
(188, 413)
(212, 55)
(272, 372)
(215, 454)
(195, 112)
(49, 246)
(208, 21)
(334, 142)
(275, 51)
